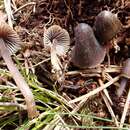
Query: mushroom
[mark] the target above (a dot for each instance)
(61, 37)
(125, 76)
(106, 26)
(87, 52)
(9, 44)
(57, 40)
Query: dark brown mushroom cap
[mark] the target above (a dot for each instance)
(106, 26)
(60, 36)
(87, 53)
(10, 37)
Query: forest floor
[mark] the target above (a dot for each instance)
(77, 102)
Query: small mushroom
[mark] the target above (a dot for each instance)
(61, 37)
(106, 26)
(57, 40)
(125, 76)
(10, 43)
(87, 53)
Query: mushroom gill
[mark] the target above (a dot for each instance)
(59, 34)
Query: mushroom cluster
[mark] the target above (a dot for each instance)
(87, 53)
(91, 45)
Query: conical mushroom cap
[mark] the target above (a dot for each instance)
(106, 26)
(87, 53)
(10, 37)
(61, 37)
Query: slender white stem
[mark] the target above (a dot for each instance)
(122, 86)
(18, 78)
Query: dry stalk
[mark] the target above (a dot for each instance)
(107, 102)
(105, 92)
(23, 6)
(96, 71)
(7, 4)
(125, 110)
(73, 105)
(79, 106)
(14, 5)
(8, 104)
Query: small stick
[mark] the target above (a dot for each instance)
(8, 104)
(41, 62)
(25, 5)
(110, 69)
(14, 5)
(107, 100)
(105, 92)
(125, 110)
(81, 103)
(7, 4)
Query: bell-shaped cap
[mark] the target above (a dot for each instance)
(106, 26)
(10, 37)
(58, 37)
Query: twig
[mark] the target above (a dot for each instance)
(41, 62)
(68, 8)
(79, 106)
(8, 10)
(105, 92)
(107, 100)
(95, 91)
(125, 110)
(109, 77)
(51, 20)
(25, 5)
(68, 99)
(110, 109)
(90, 75)
(2, 87)
(14, 5)
(10, 104)
(110, 69)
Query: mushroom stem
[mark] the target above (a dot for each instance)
(125, 77)
(18, 78)
(122, 86)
